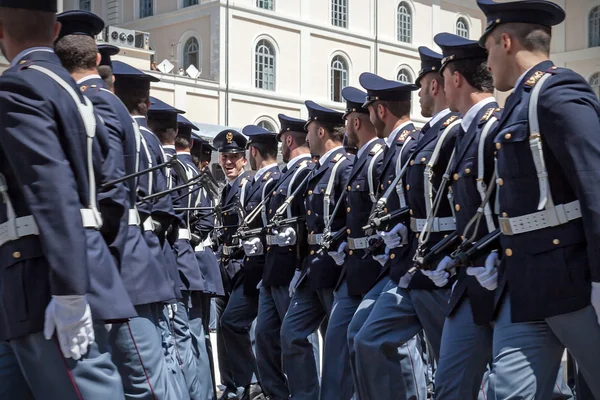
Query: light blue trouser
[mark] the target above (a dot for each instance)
(385, 365)
(32, 367)
(308, 309)
(527, 355)
(336, 382)
(199, 344)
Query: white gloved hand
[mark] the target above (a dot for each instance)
(253, 247)
(397, 237)
(340, 255)
(487, 275)
(172, 310)
(383, 258)
(405, 281)
(440, 276)
(287, 237)
(294, 282)
(71, 318)
(596, 299)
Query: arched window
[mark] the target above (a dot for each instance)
(339, 13)
(595, 83)
(405, 76)
(266, 125)
(462, 28)
(594, 23)
(404, 22)
(264, 65)
(265, 4)
(339, 77)
(146, 8)
(187, 3)
(85, 5)
(191, 53)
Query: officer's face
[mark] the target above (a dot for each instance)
(352, 126)
(286, 142)
(314, 138)
(450, 87)
(232, 163)
(498, 46)
(374, 116)
(425, 96)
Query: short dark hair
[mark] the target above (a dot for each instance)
(106, 74)
(164, 128)
(267, 150)
(77, 52)
(399, 109)
(28, 25)
(533, 37)
(182, 142)
(135, 94)
(475, 72)
(335, 131)
(299, 138)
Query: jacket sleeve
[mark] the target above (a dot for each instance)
(31, 142)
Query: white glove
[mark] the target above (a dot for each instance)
(340, 255)
(488, 275)
(405, 281)
(596, 298)
(71, 317)
(397, 237)
(287, 237)
(253, 247)
(383, 258)
(260, 285)
(440, 276)
(294, 282)
(172, 309)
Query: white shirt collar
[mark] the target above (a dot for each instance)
(393, 134)
(470, 115)
(181, 152)
(87, 78)
(231, 182)
(296, 160)
(28, 51)
(262, 171)
(362, 149)
(324, 157)
(521, 78)
(168, 146)
(437, 117)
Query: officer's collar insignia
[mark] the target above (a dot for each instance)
(449, 121)
(243, 182)
(229, 137)
(487, 114)
(267, 175)
(303, 163)
(376, 148)
(83, 88)
(534, 78)
(403, 135)
(22, 62)
(337, 157)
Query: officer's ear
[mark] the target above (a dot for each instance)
(98, 59)
(289, 140)
(381, 111)
(57, 26)
(321, 132)
(357, 123)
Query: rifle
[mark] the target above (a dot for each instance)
(426, 261)
(247, 233)
(283, 208)
(468, 252)
(189, 183)
(328, 238)
(172, 163)
(376, 221)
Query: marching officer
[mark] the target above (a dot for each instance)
(134, 343)
(231, 146)
(358, 273)
(313, 298)
(132, 86)
(48, 185)
(105, 67)
(548, 294)
(242, 308)
(285, 254)
(389, 110)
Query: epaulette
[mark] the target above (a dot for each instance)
(487, 114)
(533, 79)
(403, 135)
(337, 157)
(375, 149)
(267, 175)
(24, 64)
(244, 180)
(83, 88)
(449, 121)
(303, 163)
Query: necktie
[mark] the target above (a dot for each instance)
(284, 170)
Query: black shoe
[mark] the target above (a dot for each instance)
(229, 394)
(253, 392)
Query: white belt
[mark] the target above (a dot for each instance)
(272, 240)
(203, 245)
(148, 224)
(184, 234)
(360, 243)
(91, 218)
(134, 217)
(229, 250)
(17, 228)
(558, 215)
(315, 239)
(444, 224)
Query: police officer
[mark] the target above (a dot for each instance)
(132, 86)
(283, 256)
(313, 297)
(358, 273)
(389, 110)
(105, 67)
(143, 278)
(46, 178)
(547, 168)
(231, 146)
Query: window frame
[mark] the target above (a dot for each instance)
(462, 20)
(344, 74)
(401, 31)
(594, 34)
(342, 6)
(269, 2)
(261, 82)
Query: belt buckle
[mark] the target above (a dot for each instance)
(505, 226)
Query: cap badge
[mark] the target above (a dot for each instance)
(229, 137)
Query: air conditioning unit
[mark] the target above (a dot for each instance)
(142, 40)
(120, 37)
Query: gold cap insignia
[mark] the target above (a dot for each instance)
(229, 137)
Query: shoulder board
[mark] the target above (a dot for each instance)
(337, 157)
(243, 181)
(403, 135)
(83, 88)
(303, 163)
(533, 79)
(267, 175)
(375, 149)
(487, 114)
(24, 64)
(449, 121)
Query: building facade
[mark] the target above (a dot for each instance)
(254, 59)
